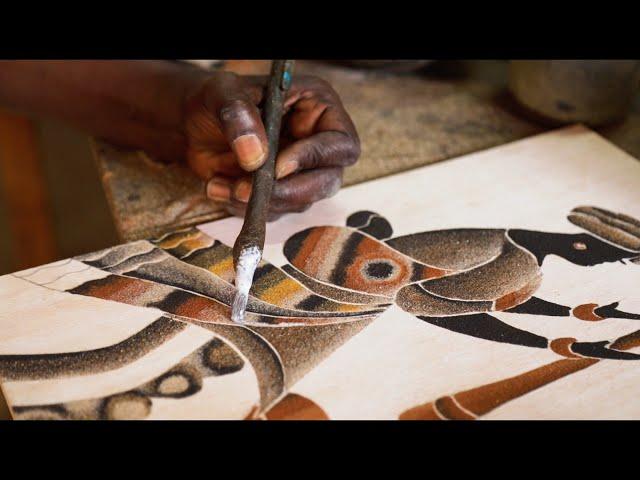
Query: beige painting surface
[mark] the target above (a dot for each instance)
(367, 357)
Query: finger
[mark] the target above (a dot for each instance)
(293, 192)
(220, 189)
(207, 164)
(325, 149)
(317, 108)
(307, 187)
(230, 101)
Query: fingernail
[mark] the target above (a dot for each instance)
(219, 190)
(249, 151)
(242, 191)
(286, 168)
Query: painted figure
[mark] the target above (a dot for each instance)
(454, 278)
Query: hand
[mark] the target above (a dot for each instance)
(226, 140)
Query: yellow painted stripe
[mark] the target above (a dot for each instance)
(198, 242)
(172, 243)
(222, 268)
(279, 293)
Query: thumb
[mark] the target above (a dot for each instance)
(239, 120)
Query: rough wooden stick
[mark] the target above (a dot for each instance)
(247, 251)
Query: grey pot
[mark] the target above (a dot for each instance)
(594, 92)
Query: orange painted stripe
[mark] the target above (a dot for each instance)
(314, 246)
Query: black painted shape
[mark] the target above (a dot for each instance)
(483, 325)
(294, 243)
(611, 311)
(371, 223)
(337, 276)
(171, 302)
(261, 271)
(381, 270)
(537, 306)
(417, 273)
(86, 287)
(360, 219)
(600, 350)
(310, 303)
(542, 244)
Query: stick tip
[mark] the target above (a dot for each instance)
(239, 307)
(245, 268)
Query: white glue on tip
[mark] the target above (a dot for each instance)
(247, 264)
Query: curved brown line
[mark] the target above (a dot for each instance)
(586, 312)
(296, 407)
(448, 408)
(68, 364)
(263, 358)
(562, 346)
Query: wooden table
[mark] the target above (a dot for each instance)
(404, 121)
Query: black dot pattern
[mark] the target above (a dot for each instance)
(379, 270)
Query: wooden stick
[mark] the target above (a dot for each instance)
(247, 250)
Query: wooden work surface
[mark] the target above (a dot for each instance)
(404, 121)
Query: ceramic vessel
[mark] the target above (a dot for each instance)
(594, 92)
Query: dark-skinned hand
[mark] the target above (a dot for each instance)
(226, 141)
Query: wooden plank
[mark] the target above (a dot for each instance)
(25, 192)
(4, 409)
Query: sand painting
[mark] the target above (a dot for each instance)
(358, 322)
(186, 275)
(449, 278)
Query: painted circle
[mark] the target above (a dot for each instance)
(181, 381)
(380, 270)
(127, 406)
(173, 384)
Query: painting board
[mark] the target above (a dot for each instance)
(487, 286)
